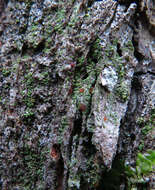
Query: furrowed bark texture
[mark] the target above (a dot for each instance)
(77, 83)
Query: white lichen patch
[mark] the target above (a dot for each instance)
(108, 78)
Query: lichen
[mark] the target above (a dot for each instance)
(122, 92)
(34, 168)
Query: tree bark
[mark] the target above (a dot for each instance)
(77, 83)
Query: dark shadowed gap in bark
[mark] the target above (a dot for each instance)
(136, 84)
(113, 179)
(152, 30)
(60, 174)
(37, 50)
(59, 169)
(119, 51)
(40, 47)
(24, 49)
(3, 4)
(90, 2)
(137, 54)
(76, 130)
(77, 125)
(128, 2)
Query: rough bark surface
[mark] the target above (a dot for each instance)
(77, 83)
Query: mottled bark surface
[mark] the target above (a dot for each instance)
(77, 83)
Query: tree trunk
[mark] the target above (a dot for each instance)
(77, 83)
